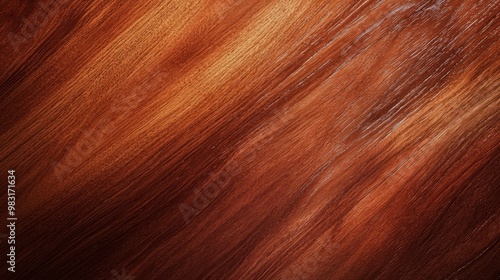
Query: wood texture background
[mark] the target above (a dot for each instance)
(234, 139)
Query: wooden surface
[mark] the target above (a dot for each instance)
(239, 139)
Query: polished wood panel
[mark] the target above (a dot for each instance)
(235, 139)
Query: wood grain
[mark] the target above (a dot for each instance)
(230, 139)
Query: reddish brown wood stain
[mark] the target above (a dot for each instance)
(252, 139)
